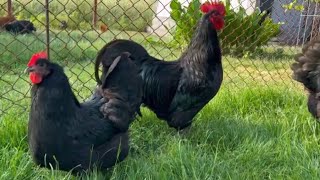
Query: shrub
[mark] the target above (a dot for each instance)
(186, 20)
(242, 34)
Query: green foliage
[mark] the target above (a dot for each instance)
(133, 15)
(186, 19)
(294, 5)
(242, 34)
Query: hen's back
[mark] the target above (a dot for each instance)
(306, 70)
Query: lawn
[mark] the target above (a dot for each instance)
(257, 127)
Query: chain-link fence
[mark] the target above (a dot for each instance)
(259, 40)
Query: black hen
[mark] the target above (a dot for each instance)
(78, 135)
(20, 27)
(306, 70)
(176, 91)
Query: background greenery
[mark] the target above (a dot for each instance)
(242, 35)
(122, 15)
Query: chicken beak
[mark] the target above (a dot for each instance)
(28, 70)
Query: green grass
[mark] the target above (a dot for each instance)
(257, 127)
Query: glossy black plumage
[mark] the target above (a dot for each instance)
(80, 135)
(175, 90)
(306, 70)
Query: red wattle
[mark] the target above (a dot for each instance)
(35, 78)
(217, 22)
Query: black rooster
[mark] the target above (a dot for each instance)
(75, 136)
(176, 91)
(306, 70)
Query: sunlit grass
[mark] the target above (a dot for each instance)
(257, 127)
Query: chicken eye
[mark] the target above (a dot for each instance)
(41, 64)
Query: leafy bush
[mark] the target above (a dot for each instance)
(133, 15)
(294, 5)
(242, 34)
(186, 19)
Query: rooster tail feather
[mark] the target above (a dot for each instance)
(111, 68)
(113, 65)
(99, 60)
(97, 64)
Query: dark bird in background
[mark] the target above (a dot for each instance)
(306, 70)
(69, 135)
(20, 27)
(177, 90)
(63, 25)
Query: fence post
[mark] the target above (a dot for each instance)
(94, 19)
(47, 28)
(9, 11)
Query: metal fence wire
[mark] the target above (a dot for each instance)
(259, 40)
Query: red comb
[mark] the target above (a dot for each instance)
(217, 5)
(35, 57)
